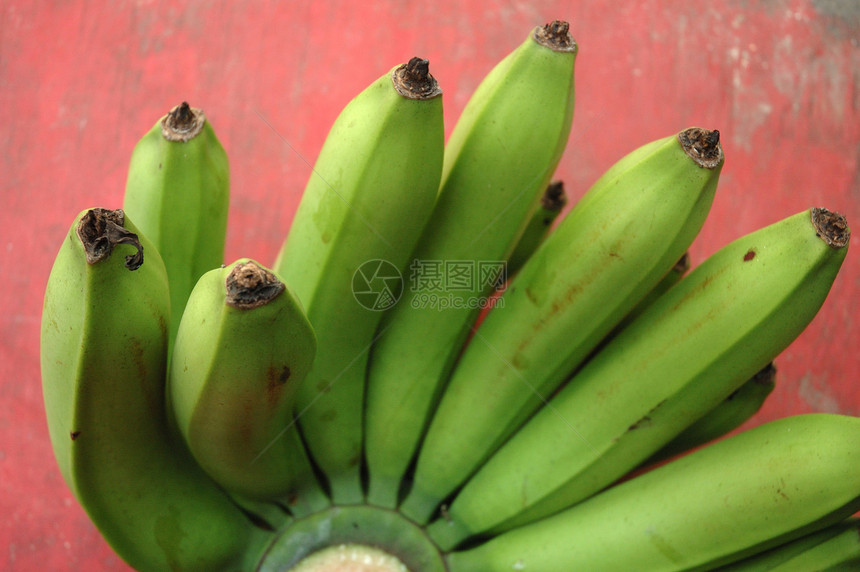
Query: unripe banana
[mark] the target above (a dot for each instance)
(730, 414)
(684, 355)
(367, 201)
(833, 549)
(538, 227)
(178, 193)
(611, 249)
(242, 350)
(733, 498)
(103, 356)
(499, 159)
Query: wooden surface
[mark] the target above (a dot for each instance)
(80, 82)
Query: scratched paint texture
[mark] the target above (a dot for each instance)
(80, 82)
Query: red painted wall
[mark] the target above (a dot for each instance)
(80, 82)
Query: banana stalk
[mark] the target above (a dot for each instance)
(103, 356)
(342, 538)
(499, 159)
(683, 356)
(364, 207)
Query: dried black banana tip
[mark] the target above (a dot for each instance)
(683, 264)
(831, 227)
(702, 146)
(555, 36)
(766, 375)
(100, 230)
(249, 285)
(553, 198)
(413, 80)
(182, 123)
(418, 69)
(181, 116)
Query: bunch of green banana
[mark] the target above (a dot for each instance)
(498, 161)
(242, 350)
(731, 413)
(684, 355)
(602, 259)
(370, 194)
(429, 378)
(103, 352)
(833, 549)
(178, 192)
(734, 498)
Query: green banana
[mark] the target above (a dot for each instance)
(684, 355)
(178, 193)
(243, 348)
(499, 158)
(103, 358)
(733, 498)
(835, 548)
(598, 263)
(538, 227)
(372, 190)
(730, 414)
